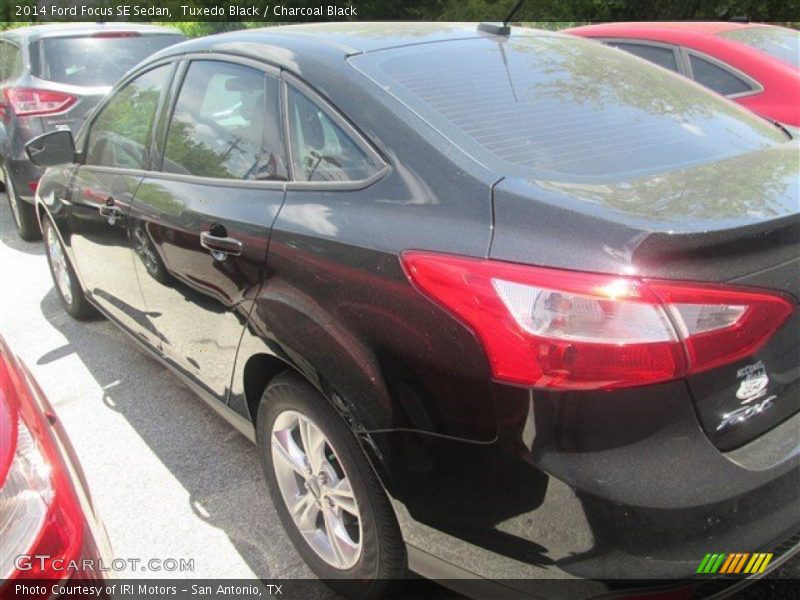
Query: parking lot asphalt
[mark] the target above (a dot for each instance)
(169, 477)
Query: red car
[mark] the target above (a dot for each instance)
(48, 527)
(756, 65)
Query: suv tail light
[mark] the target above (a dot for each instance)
(39, 511)
(28, 102)
(567, 330)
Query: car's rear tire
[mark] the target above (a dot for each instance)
(351, 540)
(67, 286)
(23, 213)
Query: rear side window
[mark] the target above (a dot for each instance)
(780, 42)
(226, 124)
(321, 150)
(10, 60)
(120, 134)
(564, 108)
(663, 57)
(95, 60)
(716, 78)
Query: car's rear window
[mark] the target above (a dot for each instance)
(783, 44)
(564, 108)
(93, 61)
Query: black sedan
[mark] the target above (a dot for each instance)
(518, 306)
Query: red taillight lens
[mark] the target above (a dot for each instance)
(567, 330)
(39, 512)
(28, 102)
(720, 325)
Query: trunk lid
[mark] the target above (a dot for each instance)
(735, 221)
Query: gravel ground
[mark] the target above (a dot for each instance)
(170, 478)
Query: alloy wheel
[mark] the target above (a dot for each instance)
(316, 489)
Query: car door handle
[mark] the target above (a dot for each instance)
(219, 244)
(108, 211)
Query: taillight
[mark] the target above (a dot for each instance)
(566, 330)
(24, 498)
(28, 102)
(39, 511)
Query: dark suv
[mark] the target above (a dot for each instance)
(51, 77)
(518, 307)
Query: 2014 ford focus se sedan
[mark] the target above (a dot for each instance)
(518, 307)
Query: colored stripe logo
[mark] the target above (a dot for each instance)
(734, 563)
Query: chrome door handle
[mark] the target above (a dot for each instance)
(220, 246)
(108, 211)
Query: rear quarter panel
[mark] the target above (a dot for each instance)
(336, 304)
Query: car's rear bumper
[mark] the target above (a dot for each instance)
(602, 488)
(23, 173)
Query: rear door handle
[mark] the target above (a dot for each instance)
(109, 211)
(220, 246)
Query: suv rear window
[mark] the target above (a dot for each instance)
(564, 108)
(782, 43)
(93, 61)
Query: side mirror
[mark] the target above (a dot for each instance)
(51, 149)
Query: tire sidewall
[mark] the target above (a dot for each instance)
(290, 394)
(70, 307)
(11, 198)
(25, 216)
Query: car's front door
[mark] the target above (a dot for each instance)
(200, 224)
(116, 155)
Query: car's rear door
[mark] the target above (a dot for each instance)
(201, 223)
(116, 155)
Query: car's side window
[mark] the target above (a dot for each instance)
(10, 60)
(120, 135)
(321, 150)
(226, 124)
(718, 79)
(4, 56)
(663, 57)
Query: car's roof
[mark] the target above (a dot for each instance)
(35, 32)
(369, 37)
(343, 38)
(700, 28)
